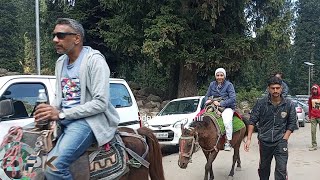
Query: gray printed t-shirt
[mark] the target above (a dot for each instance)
(70, 82)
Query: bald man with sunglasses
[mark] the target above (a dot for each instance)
(81, 105)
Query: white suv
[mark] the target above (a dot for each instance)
(123, 100)
(23, 91)
(166, 125)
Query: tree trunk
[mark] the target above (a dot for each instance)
(173, 81)
(187, 80)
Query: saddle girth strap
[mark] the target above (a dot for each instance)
(214, 120)
(140, 159)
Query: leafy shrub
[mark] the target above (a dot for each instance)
(249, 96)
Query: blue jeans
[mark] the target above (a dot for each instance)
(76, 138)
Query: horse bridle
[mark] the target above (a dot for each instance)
(194, 147)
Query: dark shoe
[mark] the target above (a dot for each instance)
(312, 148)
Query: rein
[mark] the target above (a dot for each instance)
(213, 118)
(140, 159)
(214, 148)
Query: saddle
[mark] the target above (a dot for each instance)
(237, 123)
(23, 154)
(212, 108)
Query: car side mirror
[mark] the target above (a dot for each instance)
(6, 108)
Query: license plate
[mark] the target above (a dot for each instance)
(161, 135)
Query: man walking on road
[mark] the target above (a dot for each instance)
(277, 120)
(314, 114)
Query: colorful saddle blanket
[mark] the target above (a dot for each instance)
(237, 122)
(19, 159)
(109, 163)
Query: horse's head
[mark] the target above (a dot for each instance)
(187, 146)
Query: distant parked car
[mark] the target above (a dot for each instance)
(301, 115)
(166, 125)
(304, 106)
(302, 98)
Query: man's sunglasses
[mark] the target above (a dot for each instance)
(62, 35)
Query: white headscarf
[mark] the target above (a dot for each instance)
(221, 70)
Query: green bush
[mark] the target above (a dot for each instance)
(249, 96)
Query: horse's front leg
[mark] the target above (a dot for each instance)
(206, 153)
(238, 163)
(212, 156)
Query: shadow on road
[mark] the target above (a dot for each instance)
(167, 150)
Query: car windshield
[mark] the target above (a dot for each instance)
(302, 103)
(180, 107)
(299, 103)
(119, 95)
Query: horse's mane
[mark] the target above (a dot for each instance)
(200, 123)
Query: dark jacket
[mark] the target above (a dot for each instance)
(285, 89)
(314, 104)
(274, 121)
(226, 92)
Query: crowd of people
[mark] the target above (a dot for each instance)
(275, 114)
(83, 110)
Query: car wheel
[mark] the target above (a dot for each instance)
(302, 124)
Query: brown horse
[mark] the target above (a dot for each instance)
(205, 134)
(153, 156)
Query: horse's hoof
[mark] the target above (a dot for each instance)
(238, 168)
(230, 177)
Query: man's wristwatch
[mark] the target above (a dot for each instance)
(61, 115)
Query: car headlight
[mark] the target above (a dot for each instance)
(180, 123)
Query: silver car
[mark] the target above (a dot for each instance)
(301, 114)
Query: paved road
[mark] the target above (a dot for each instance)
(302, 165)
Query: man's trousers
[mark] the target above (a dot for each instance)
(278, 150)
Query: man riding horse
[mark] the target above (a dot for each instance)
(82, 105)
(224, 90)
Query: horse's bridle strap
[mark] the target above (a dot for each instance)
(188, 154)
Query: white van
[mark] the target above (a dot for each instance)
(23, 90)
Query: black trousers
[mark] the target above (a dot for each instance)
(278, 150)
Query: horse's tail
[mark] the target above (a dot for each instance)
(155, 156)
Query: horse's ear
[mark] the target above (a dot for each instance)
(182, 127)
